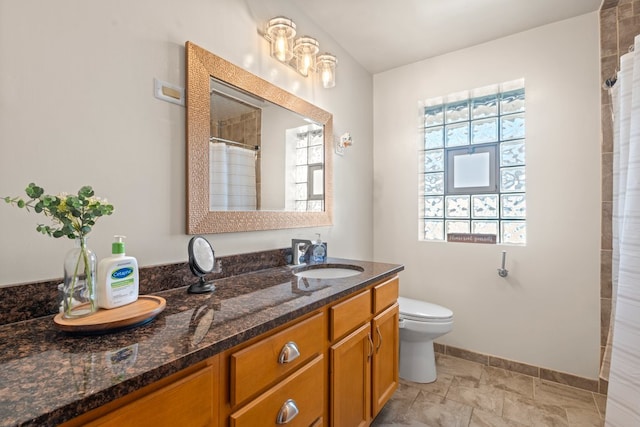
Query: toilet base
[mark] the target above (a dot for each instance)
(418, 361)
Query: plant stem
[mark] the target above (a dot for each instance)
(82, 256)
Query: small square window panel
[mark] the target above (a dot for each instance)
(472, 170)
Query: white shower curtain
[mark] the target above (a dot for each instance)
(232, 178)
(623, 401)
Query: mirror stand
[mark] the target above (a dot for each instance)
(201, 262)
(202, 287)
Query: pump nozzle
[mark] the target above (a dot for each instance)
(117, 247)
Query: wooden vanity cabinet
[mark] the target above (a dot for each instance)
(336, 366)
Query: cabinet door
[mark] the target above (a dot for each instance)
(385, 359)
(351, 379)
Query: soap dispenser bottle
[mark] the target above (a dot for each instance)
(117, 278)
(318, 251)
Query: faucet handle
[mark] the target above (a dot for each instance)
(299, 249)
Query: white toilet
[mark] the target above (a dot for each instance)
(420, 323)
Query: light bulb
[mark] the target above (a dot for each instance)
(306, 64)
(327, 77)
(281, 46)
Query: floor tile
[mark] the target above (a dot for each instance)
(377, 423)
(483, 397)
(466, 371)
(601, 403)
(563, 395)
(530, 412)
(439, 387)
(507, 380)
(397, 407)
(434, 411)
(584, 418)
(480, 418)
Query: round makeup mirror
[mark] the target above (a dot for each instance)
(201, 262)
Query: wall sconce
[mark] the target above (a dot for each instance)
(344, 142)
(300, 53)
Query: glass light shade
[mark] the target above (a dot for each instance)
(327, 69)
(305, 50)
(281, 32)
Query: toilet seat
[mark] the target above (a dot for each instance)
(422, 311)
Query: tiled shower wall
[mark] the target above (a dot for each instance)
(619, 24)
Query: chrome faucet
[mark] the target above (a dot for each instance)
(299, 249)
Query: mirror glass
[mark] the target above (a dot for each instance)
(201, 262)
(261, 155)
(258, 157)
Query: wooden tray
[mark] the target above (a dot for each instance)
(145, 309)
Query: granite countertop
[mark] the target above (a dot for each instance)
(48, 377)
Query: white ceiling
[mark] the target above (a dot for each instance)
(384, 34)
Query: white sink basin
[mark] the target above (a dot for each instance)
(328, 273)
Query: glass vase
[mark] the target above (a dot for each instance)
(79, 288)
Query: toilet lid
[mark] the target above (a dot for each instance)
(415, 309)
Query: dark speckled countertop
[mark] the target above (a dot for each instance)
(48, 377)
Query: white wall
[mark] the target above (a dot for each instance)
(77, 108)
(546, 312)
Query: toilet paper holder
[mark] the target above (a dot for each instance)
(503, 272)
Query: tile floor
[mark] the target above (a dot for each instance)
(473, 395)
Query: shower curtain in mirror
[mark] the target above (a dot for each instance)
(623, 401)
(232, 178)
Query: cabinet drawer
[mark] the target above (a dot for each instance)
(349, 314)
(385, 294)
(259, 365)
(305, 388)
(188, 402)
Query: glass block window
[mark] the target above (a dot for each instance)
(472, 164)
(309, 172)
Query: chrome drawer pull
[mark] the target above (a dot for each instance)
(288, 412)
(289, 353)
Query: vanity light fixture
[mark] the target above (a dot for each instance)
(300, 53)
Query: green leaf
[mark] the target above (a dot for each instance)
(34, 191)
(86, 192)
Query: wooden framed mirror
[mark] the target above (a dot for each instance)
(305, 201)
